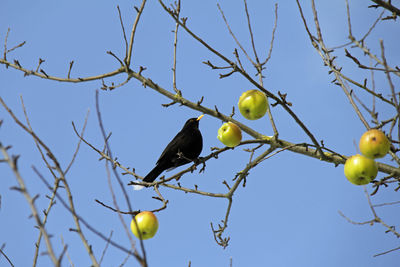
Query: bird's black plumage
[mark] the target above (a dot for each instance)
(184, 148)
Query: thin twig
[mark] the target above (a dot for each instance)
(348, 17)
(251, 32)
(218, 233)
(5, 45)
(372, 27)
(5, 256)
(386, 252)
(161, 198)
(389, 79)
(106, 247)
(370, 222)
(69, 70)
(272, 37)
(116, 210)
(177, 11)
(133, 32)
(123, 31)
(233, 35)
(79, 143)
(386, 204)
(66, 252)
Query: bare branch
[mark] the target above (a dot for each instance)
(40, 144)
(386, 252)
(12, 162)
(79, 143)
(105, 248)
(27, 72)
(177, 12)
(272, 37)
(133, 32)
(251, 32)
(5, 256)
(83, 221)
(234, 37)
(123, 31)
(388, 6)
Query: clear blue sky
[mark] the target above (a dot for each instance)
(287, 215)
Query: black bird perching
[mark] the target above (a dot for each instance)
(185, 147)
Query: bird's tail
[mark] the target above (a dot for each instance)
(154, 173)
(151, 176)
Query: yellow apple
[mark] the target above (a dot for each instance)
(229, 134)
(253, 104)
(147, 223)
(360, 170)
(374, 144)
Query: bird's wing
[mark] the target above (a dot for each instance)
(172, 147)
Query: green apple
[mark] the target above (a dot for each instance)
(230, 134)
(147, 224)
(253, 104)
(360, 170)
(374, 144)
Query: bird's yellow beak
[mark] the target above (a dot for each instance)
(201, 116)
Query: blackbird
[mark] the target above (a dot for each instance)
(184, 148)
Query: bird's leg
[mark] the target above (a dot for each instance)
(196, 161)
(192, 168)
(200, 160)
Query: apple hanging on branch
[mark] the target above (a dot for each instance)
(253, 104)
(360, 170)
(229, 134)
(374, 144)
(146, 224)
